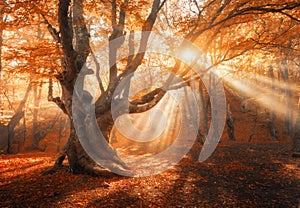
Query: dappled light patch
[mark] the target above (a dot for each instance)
(292, 169)
(22, 165)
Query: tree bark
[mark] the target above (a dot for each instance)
(37, 93)
(74, 39)
(272, 113)
(230, 124)
(296, 137)
(288, 120)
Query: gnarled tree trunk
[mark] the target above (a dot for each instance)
(74, 39)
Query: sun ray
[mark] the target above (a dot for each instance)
(266, 92)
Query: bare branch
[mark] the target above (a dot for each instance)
(98, 72)
(118, 36)
(53, 32)
(56, 100)
(114, 13)
(146, 29)
(268, 8)
(131, 47)
(290, 16)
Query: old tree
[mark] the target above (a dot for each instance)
(225, 29)
(75, 42)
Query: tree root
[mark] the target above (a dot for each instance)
(57, 165)
(88, 167)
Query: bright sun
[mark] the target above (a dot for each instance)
(188, 55)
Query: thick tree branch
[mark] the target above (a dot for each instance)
(65, 28)
(118, 36)
(137, 60)
(82, 44)
(66, 39)
(147, 101)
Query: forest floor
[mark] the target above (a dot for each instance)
(238, 174)
(256, 172)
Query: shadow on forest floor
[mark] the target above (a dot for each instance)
(237, 174)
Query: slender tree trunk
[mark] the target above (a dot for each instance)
(16, 118)
(230, 124)
(37, 89)
(60, 134)
(271, 113)
(289, 102)
(204, 103)
(254, 125)
(296, 137)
